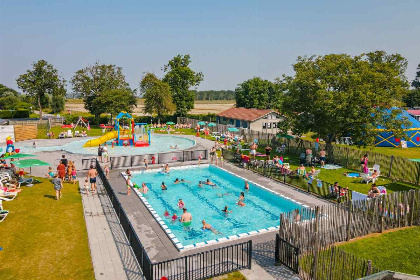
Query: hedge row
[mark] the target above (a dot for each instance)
(14, 114)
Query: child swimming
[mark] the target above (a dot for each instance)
(166, 214)
(174, 217)
(181, 204)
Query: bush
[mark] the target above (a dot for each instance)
(14, 114)
(203, 117)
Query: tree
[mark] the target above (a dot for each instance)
(113, 101)
(181, 78)
(4, 90)
(41, 83)
(416, 82)
(339, 95)
(412, 99)
(92, 81)
(157, 95)
(258, 93)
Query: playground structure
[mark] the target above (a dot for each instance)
(125, 133)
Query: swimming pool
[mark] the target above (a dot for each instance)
(261, 212)
(160, 144)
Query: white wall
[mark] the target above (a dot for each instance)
(5, 131)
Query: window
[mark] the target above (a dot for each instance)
(268, 125)
(274, 125)
(264, 125)
(244, 124)
(224, 119)
(273, 116)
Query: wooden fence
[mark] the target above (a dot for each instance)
(314, 231)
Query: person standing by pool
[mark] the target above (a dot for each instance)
(167, 168)
(146, 162)
(186, 218)
(92, 178)
(64, 160)
(209, 227)
(105, 152)
(364, 164)
(58, 186)
(212, 152)
(100, 152)
(128, 185)
(268, 151)
(61, 170)
(322, 157)
(253, 150)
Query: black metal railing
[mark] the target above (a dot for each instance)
(202, 265)
(159, 158)
(286, 254)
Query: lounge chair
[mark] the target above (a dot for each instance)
(365, 178)
(7, 196)
(26, 181)
(3, 213)
(382, 189)
(69, 134)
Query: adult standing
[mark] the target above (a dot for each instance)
(69, 170)
(268, 151)
(100, 152)
(105, 153)
(64, 160)
(58, 186)
(186, 218)
(92, 178)
(364, 164)
(61, 170)
(253, 149)
(322, 157)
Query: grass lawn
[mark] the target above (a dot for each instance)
(398, 250)
(42, 132)
(43, 238)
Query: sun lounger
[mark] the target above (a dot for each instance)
(365, 178)
(26, 181)
(3, 213)
(7, 196)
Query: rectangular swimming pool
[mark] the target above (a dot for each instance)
(261, 212)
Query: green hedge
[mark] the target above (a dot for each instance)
(15, 114)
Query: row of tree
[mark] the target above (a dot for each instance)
(214, 95)
(338, 95)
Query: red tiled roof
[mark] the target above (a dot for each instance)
(244, 114)
(414, 112)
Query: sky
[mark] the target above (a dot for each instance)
(228, 41)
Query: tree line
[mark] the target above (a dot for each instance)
(214, 94)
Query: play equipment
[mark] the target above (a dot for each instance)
(83, 123)
(9, 143)
(126, 133)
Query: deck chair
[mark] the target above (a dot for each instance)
(7, 196)
(5, 177)
(382, 189)
(69, 134)
(317, 171)
(3, 213)
(26, 181)
(77, 134)
(365, 178)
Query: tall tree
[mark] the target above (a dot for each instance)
(94, 80)
(157, 95)
(42, 82)
(339, 95)
(181, 78)
(412, 99)
(416, 82)
(258, 93)
(113, 101)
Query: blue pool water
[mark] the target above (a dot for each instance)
(262, 209)
(160, 144)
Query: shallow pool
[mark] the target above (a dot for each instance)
(160, 144)
(261, 212)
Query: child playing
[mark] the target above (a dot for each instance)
(174, 217)
(50, 173)
(221, 160)
(128, 186)
(73, 175)
(199, 159)
(106, 171)
(181, 204)
(86, 185)
(166, 214)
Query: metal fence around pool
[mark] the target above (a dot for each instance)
(202, 265)
(159, 158)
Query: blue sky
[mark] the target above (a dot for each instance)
(229, 41)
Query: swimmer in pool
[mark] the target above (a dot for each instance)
(200, 184)
(209, 227)
(167, 168)
(163, 186)
(181, 204)
(246, 186)
(166, 214)
(177, 181)
(174, 217)
(226, 210)
(144, 189)
(210, 183)
(241, 199)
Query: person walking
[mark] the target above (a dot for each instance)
(58, 186)
(100, 152)
(364, 164)
(92, 178)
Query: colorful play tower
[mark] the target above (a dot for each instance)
(126, 133)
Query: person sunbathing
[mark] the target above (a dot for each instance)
(374, 191)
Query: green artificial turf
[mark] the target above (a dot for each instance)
(397, 251)
(42, 238)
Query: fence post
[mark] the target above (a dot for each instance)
(331, 261)
(369, 268)
(316, 245)
(186, 269)
(412, 196)
(349, 210)
(249, 253)
(418, 173)
(277, 250)
(390, 166)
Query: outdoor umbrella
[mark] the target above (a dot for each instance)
(30, 163)
(170, 123)
(415, 159)
(18, 156)
(202, 123)
(233, 129)
(285, 136)
(211, 124)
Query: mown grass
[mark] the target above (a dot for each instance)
(42, 131)
(397, 251)
(42, 238)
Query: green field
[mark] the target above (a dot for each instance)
(397, 251)
(43, 238)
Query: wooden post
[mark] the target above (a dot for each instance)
(316, 245)
(411, 210)
(381, 221)
(331, 262)
(349, 211)
(390, 166)
(369, 268)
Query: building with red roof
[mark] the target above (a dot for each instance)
(415, 113)
(255, 119)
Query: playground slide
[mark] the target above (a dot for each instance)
(102, 139)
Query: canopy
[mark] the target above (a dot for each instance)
(18, 156)
(211, 124)
(202, 123)
(233, 129)
(170, 123)
(30, 163)
(412, 133)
